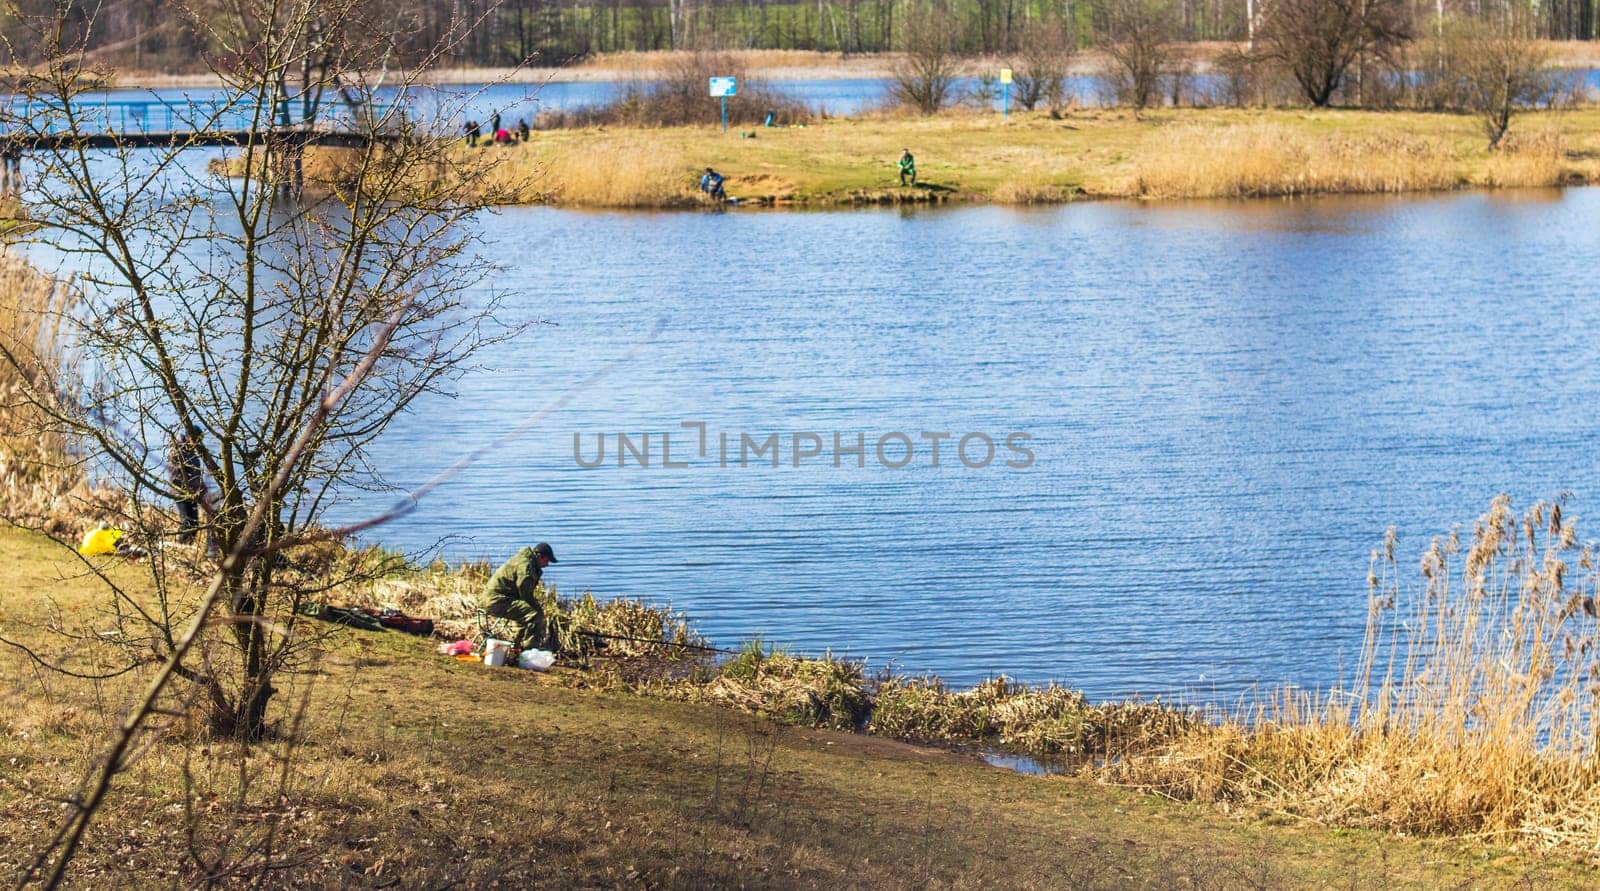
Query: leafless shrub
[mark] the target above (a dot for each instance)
(925, 75)
(1318, 40)
(1503, 71)
(679, 95)
(1237, 73)
(1138, 41)
(1041, 64)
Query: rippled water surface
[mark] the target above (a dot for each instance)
(1229, 403)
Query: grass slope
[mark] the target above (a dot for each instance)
(417, 771)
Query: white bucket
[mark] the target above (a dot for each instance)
(495, 651)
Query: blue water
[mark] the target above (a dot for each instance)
(1229, 403)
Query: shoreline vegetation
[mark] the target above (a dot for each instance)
(768, 64)
(968, 157)
(415, 770)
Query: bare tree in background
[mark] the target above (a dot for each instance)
(1318, 40)
(1502, 70)
(1041, 63)
(925, 75)
(1138, 39)
(283, 334)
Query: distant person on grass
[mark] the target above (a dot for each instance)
(514, 611)
(473, 132)
(908, 168)
(188, 477)
(522, 130)
(711, 184)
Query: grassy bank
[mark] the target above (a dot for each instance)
(1212, 153)
(418, 771)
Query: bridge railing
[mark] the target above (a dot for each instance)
(161, 116)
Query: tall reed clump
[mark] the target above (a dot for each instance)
(1259, 160)
(1474, 710)
(42, 483)
(626, 172)
(1524, 160)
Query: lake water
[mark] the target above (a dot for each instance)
(1228, 404)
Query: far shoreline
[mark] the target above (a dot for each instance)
(771, 65)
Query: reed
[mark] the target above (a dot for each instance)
(42, 483)
(1259, 160)
(607, 171)
(1473, 712)
(1530, 160)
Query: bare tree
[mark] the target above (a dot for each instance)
(1138, 40)
(1318, 40)
(926, 72)
(1502, 71)
(260, 337)
(1041, 63)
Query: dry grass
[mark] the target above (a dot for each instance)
(1474, 712)
(42, 483)
(1032, 186)
(608, 171)
(825, 692)
(1048, 721)
(1249, 161)
(411, 770)
(1036, 158)
(1536, 159)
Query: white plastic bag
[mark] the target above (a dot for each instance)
(536, 660)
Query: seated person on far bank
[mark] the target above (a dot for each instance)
(908, 168)
(514, 611)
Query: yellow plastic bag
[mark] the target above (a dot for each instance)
(100, 541)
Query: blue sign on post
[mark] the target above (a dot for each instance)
(722, 88)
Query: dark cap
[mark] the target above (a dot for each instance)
(543, 550)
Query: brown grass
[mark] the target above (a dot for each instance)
(1270, 160)
(1536, 159)
(608, 171)
(1474, 711)
(1031, 158)
(42, 483)
(406, 769)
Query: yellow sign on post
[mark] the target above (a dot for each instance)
(1005, 75)
(1005, 84)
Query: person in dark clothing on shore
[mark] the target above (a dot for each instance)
(711, 184)
(188, 477)
(522, 131)
(514, 611)
(494, 122)
(473, 133)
